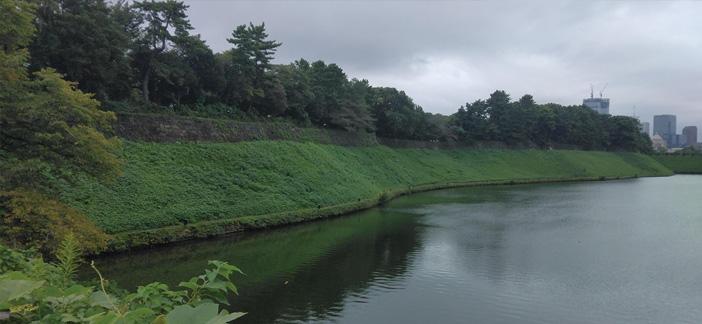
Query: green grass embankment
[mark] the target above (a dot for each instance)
(226, 187)
(684, 164)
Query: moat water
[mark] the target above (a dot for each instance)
(626, 251)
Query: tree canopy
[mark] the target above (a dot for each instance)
(524, 121)
(82, 40)
(250, 88)
(49, 132)
(142, 57)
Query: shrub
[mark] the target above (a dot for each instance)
(27, 298)
(34, 221)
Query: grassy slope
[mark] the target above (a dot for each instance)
(681, 163)
(223, 181)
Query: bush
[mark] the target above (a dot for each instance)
(31, 290)
(34, 221)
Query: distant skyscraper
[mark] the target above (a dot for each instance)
(680, 140)
(646, 128)
(665, 126)
(691, 133)
(600, 105)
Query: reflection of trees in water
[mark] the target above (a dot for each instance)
(324, 262)
(378, 256)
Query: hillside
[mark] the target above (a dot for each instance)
(223, 187)
(691, 164)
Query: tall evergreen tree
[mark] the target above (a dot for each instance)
(246, 74)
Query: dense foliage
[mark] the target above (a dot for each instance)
(184, 184)
(49, 132)
(499, 119)
(38, 292)
(141, 57)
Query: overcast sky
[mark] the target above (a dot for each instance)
(446, 53)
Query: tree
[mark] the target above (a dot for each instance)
(523, 119)
(206, 79)
(186, 74)
(625, 134)
(498, 112)
(473, 122)
(80, 39)
(328, 85)
(49, 132)
(687, 150)
(166, 25)
(397, 116)
(274, 100)
(354, 112)
(441, 127)
(338, 102)
(16, 31)
(513, 122)
(250, 59)
(295, 79)
(544, 125)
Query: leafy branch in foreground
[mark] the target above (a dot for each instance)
(25, 298)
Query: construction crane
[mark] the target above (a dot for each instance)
(592, 94)
(603, 88)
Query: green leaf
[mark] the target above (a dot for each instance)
(14, 275)
(139, 312)
(98, 298)
(161, 319)
(189, 284)
(14, 289)
(76, 289)
(220, 297)
(216, 284)
(225, 317)
(231, 287)
(69, 318)
(211, 275)
(202, 314)
(192, 315)
(108, 318)
(47, 291)
(225, 268)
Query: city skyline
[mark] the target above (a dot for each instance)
(679, 127)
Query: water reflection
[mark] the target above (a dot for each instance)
(323, 263)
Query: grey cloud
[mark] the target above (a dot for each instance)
(447, 53)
